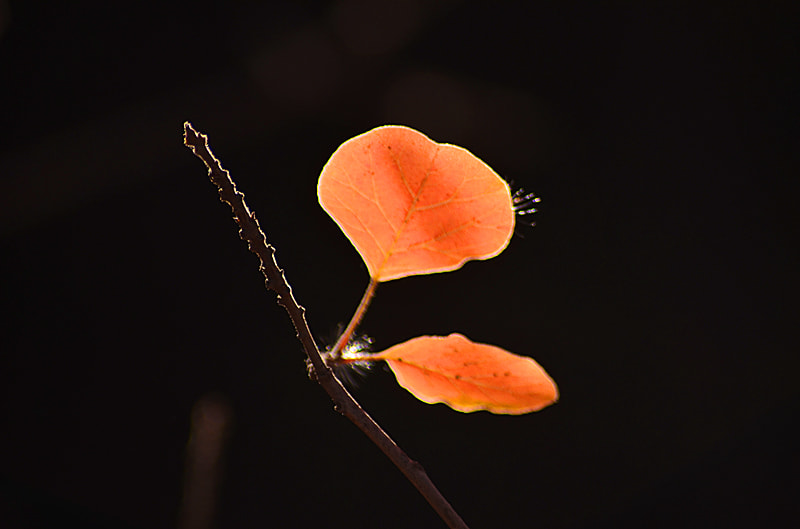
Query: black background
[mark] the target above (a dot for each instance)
(655, 287)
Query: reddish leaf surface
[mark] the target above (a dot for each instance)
(413, 206)
(469, 376)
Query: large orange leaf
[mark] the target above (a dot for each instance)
(413, 206)
(469, 376)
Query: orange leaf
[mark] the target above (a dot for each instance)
(469, 376)
(413, 206)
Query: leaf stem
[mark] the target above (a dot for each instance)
(344, 360)
(336, 353)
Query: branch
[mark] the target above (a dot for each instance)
(344, 403)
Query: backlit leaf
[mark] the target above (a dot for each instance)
(413, 206)
(469, 376)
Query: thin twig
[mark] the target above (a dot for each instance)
(211, 417)
(344, 403)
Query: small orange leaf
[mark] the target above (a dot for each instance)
(413, 206)
(469, 376)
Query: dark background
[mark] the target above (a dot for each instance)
(655, 288)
